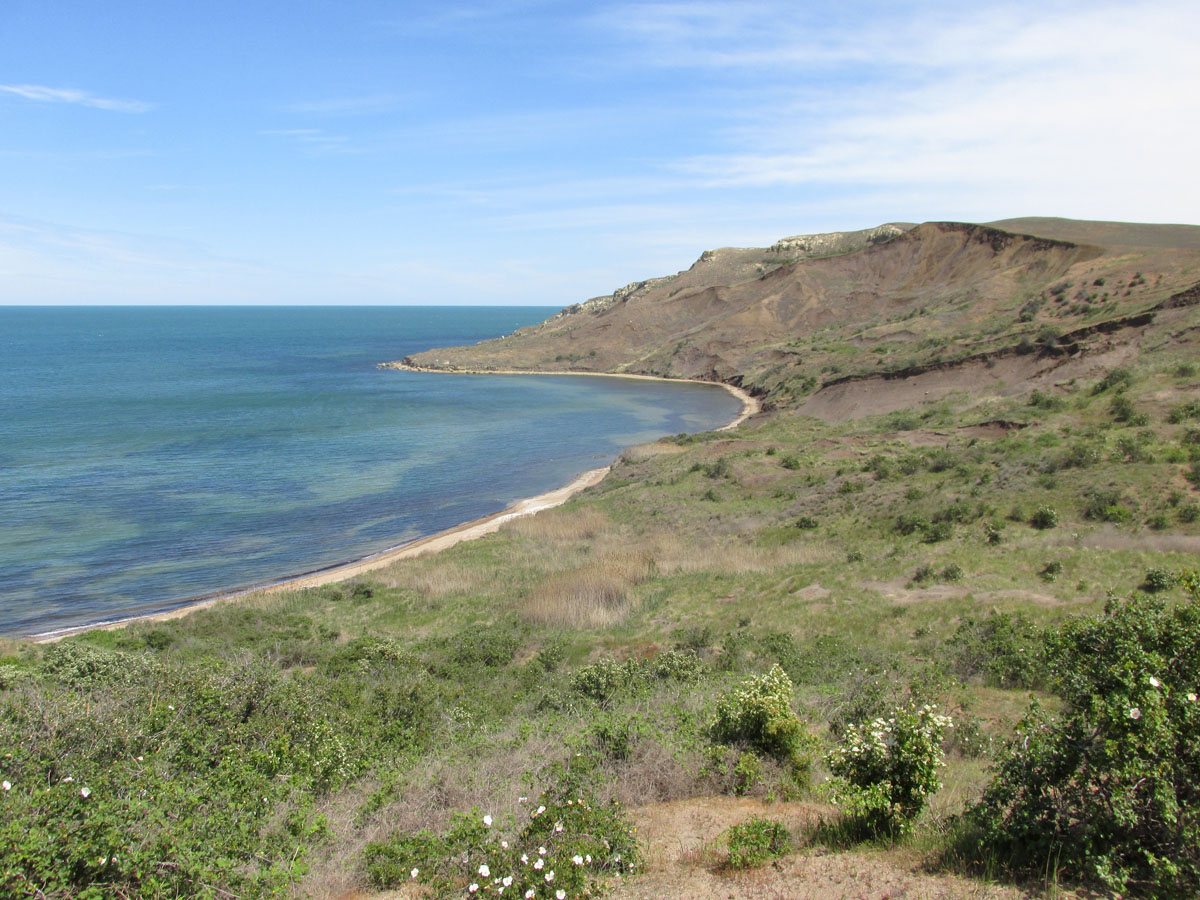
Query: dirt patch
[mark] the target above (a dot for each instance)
(684, 855)
(812, 592)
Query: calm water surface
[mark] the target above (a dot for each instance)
(153, 455)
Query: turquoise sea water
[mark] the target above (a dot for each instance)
(149, 456)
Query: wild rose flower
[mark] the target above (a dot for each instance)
(85, 792)
(577, 859)
(1154, 682)
(7, 785)
(487, 820)
(1135, 713)
(472, 887)
(415, 872)
(484, 871)
(539, 863)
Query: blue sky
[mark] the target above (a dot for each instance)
(542, 153)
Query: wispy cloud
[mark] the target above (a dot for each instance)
(314, 139)
(42, 94)
(1079, 107)
(348, 106)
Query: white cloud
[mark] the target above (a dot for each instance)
(43, 94)
(1070, 108)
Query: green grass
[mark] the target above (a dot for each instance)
(451, 682)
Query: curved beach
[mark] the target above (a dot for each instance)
(433, 543)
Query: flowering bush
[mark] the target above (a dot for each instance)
(1109, 791)
(564, 843)
(759, 714)
(888, 769)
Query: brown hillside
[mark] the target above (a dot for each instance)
(878, 305)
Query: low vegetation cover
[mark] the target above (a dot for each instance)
(966, 626)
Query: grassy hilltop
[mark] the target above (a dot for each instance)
(975, 485)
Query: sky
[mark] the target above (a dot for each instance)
(540, 153)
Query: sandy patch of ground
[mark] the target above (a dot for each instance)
(684, 855)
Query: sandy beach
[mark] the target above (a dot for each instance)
(433, 543)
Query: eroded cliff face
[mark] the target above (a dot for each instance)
(772, 318)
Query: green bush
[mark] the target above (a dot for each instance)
(759, 715)
(1117, 378)
(1110, 790)
(1004, 650)
(952, 574)
(1051, 571)
(1045, 517)
(1107, 505)
(887, 770)
(756, 842)
(1158, 579)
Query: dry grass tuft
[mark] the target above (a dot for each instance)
(593, 594)
(673, 556)
(561, 525)
(441, 579)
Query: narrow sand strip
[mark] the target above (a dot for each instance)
(433, 543)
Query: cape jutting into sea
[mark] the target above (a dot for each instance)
(150, 456)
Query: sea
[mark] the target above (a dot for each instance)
(152, 456)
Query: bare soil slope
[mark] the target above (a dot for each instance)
(938, 306)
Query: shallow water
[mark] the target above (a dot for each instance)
(153, 455)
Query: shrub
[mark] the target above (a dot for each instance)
(993, 531)
(759, 715)
(1106, 505)
(1158, 579)
(1189, 513)
(935, 532)
(606, 679)
(923, 575)
(747, 772)
(952, 574)
(1110, 790)
(806, 523)
(1184, 411)
(1045, 517)
(567, 840)
(1051, 571)
(1120, 377)
(1004, 649)
(888, 769)
(756, 842)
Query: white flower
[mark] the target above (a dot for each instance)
(504, 844)
(472, 887)
(85, 792)
(415, 873)
(541, 851)
(525, 858)
(538, 863)
(522, 799)
(68, 780)
(485, 871)
(139, 759)
(7, 785)
(577, 859)
(549, 876)
(487, 820)
(1135, 713)
(540, 810)
(558, 827)
(529, 894)
(1154, 682)
(170, 707)
(507, 880)
(588, 859)
(560, 894)
(1192, 697)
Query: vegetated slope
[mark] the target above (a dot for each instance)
(891, 301)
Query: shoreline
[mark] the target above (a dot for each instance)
(750, 404)
(432, 543)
